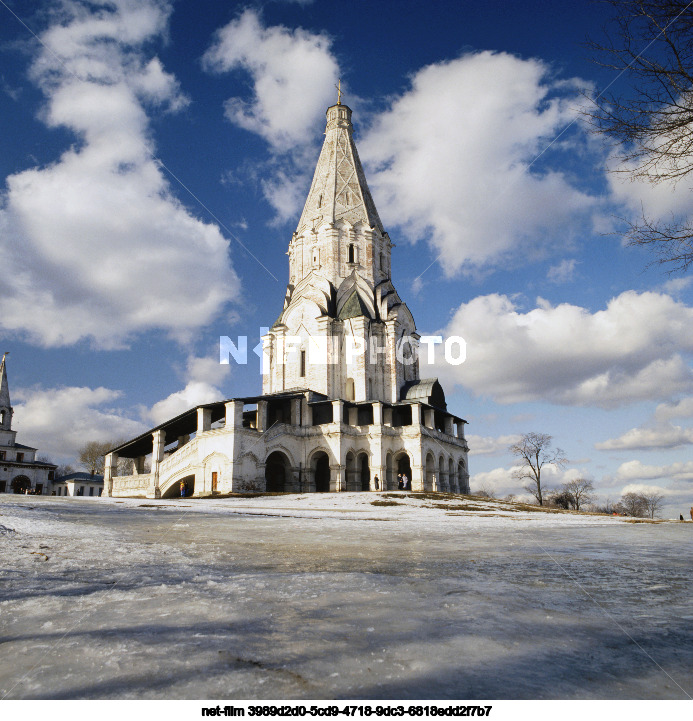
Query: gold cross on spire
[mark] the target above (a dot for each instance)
(339, 92)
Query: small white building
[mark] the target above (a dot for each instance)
(20, 472)
(342, 402)
(78, 484)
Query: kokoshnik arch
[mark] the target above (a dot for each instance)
(318, 426)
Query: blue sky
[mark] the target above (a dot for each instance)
(156, 158)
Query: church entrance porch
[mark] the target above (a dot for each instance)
(173, 491)
(277, 472)
(397, 464)
(20, 484)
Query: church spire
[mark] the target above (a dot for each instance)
(5, 407)
(339, 190)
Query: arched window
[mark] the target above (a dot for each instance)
(351, 254)
(350, 391)
(302, 371)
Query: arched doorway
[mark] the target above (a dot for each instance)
(277, 470)
(364, 472)
(462, 477)
(321, 472)
(173, 491)
(20, 484)
(403, 464)
(442, 485)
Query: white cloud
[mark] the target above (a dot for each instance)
(633, 471)
(95, 245)
(680, 409)
(662, 435)
(565, 354)
(451, 160)
(60, 421)
(490, 446)
(647, 488)
(194, 394)
(203, 377)
(640, 197)
(675, 286)
(501, 481)
(293, 75)
(563, 272)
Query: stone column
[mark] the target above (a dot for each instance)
(262, 416)
(158, 443)
(378, 414)
(296, 411)
(430, 418)
(417, 478)
(233, 415)
(387, 416)
(111, 462)
(307, 413)
(353, 416)
(337, 478)
(379, 471)
(449, 426)
(337, 411)
(204, 419)
(460, 429)
(416, 414)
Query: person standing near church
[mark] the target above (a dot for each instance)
(182, 489)
(376, 482)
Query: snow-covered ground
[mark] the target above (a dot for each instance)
(330, 596)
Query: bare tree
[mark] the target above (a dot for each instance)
(632, 504)
(64, 470)
(653, 502)
(92, 455)
(534, 449)
(580, 491)
(652, 46)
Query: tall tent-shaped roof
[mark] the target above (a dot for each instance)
(339, 190)
(4, 387)
(5, 405)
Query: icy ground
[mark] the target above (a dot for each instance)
(330, 596)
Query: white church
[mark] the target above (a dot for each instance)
(342, 402)
(20, 472)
